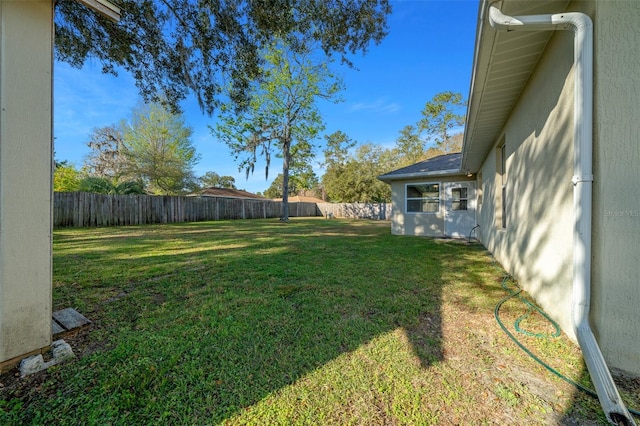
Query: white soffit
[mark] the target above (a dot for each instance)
(503, 63)
(103, 7)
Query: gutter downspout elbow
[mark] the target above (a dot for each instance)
(582, 180)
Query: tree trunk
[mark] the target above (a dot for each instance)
(286, 148)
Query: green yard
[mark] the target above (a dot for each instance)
(311, 322)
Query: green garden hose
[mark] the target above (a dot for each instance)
(530, 309)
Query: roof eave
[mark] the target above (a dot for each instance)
(104, 8)
(482, 52)
(404, 176)
(486, 116)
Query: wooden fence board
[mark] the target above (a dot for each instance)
(375, 211)
(79, 209)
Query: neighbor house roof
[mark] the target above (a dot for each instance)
(442, 165)
(226, 193)
(302, 199)
(502, 65)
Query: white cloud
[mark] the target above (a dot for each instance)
(378, 106)
(83, 100)
(87, 98)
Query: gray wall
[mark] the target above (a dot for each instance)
(616, 209)
(426, 225)
(537, 245)
(25, 176)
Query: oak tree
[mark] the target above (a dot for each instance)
(282, 116)
(213, 179)
(355, 180)
(107, 157)
(159, 149)
(176, 47)
(336, 155)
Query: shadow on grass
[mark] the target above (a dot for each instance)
(195, 323)
(200, 321)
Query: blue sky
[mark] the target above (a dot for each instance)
(429, 49)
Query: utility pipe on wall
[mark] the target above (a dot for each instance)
(582, 180)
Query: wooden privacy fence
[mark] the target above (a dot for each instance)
(375, 211)
(81, 209)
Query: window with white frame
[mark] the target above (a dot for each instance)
(423, 198)
(459, 197)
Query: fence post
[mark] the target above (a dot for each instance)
(76, 209)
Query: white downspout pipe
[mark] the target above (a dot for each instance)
(582, 27)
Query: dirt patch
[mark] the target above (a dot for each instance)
(12, 385)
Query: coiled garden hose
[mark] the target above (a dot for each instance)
(531, 308)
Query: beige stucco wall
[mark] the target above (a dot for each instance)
(536, 245)
(616, 209)
(25, 176)
(418, 224)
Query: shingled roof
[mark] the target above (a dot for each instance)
(302, 199)
(226, 193)
(442, 165)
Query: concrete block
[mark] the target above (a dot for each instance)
(61, 351)
(32, 365)
(69, 319)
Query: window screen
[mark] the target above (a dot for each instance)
(423, 198)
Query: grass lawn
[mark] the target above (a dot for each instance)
(331, 322)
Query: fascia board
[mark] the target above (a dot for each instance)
(450, 172)
(103, 7)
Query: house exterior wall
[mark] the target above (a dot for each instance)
(616, 209)
(26, 36)
(537, 245)
(418, 224)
